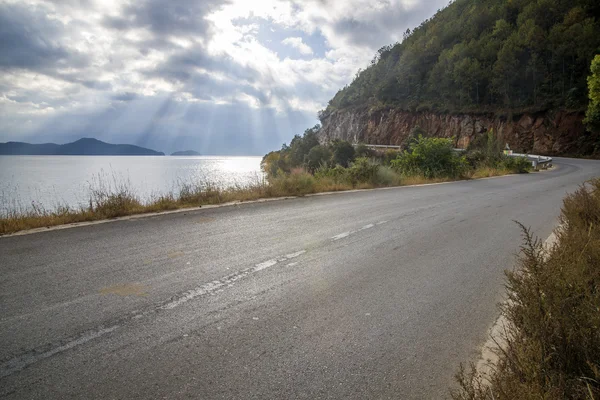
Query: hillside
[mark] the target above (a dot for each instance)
(83, 147)
(492, 60)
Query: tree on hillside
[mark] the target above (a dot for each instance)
(592, 116)
(343, 152)
(485, 54)
(300, 145)
(317, 156)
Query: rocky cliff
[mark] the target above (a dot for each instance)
(556, 133)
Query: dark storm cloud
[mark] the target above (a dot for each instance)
(28, 39)
(170, 17)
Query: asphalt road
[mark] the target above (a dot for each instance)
(366, 295)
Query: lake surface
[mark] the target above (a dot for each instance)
(51, 181)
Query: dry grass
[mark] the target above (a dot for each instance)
(553, 348)
(487, 172)
(110, 198)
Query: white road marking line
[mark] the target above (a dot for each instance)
(19, 363)
(294, 255)
(227, 281)
(342, 235)
(265, 265)
(346, 234)
(31, 357)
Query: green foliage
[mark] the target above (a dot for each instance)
(516, 165)
(363, 151)
(389, 156)
(431, 158)
(387, 176)
(275, 163)
(592, 116)
(343, 152)
(552, 346)
(337, 174)
(300, 146)
(485, 151)
(485, 55)
(317, 156)
(296, 183)
(362, 170)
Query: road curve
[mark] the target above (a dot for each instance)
(374, 294)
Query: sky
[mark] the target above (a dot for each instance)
(236, 77)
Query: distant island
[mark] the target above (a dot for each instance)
(81, 147)
(186, 153)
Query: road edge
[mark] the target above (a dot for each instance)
(488, 354)
(234, 203)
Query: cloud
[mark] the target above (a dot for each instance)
(296, 42)
(213, 74)
(29, 39)
(166, 17)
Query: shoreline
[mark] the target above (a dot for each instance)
(191, 208)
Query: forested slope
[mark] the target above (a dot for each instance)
(485, 56)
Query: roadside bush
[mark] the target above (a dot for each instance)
(389, 156)
(553, 309)
(386, 176)
(485, 151)
(517, 165)
(362, 170)
(431, 158)
(298, 182)
(317, 156)
(363, 151)
(343, 152)
(337, 174)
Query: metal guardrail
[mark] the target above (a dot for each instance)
(537, 162)
(381, 146)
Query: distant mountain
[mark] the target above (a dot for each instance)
(81, 147)
(186, 153)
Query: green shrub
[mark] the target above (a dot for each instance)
(337, 174)
(317, 156)
(517, 165)
(362, 170)
(431, 158)
(363, 151)
(485, 150)
(343, 152)
(386, 176)
(389, 156)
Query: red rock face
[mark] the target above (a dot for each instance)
(557, 133)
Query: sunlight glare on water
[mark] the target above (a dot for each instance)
(65, 180)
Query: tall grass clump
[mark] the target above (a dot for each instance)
(298, 182)
(553, 310)
(110, 198)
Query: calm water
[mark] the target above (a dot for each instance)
(58, 180)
